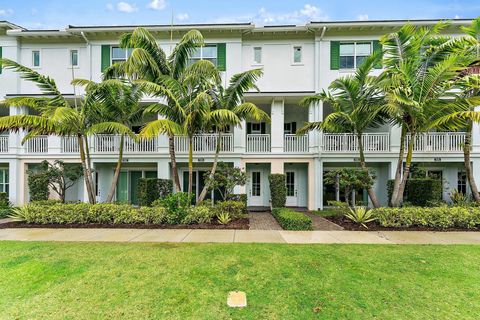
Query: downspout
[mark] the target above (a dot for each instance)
(89, 46)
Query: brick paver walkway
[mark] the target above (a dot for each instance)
(320, 223)
(263, 221)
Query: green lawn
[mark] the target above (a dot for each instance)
(191, 281)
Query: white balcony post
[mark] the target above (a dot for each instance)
(395, 135)
(54, 144)
(315, 113)
(239, 137)
(15, 138)
(162, 142)
(476, 135)
(14, 181)
(276, 134)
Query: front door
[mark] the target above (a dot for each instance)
(256, 190)
(122, 187)
(291, 184)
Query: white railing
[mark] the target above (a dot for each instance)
(348, 142)
(109, 143)
(70, 145)
(258, 143)
(38, 144)
(295, 144)
(3, 143)
(204, 143)
(438, 141)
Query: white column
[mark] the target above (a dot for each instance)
(395, 135)
(162, 142)
(15, 138)
(476, 169)
(476, 135)
(15, 184)
(240, 137)
(54, 144)
(277, 117)
(318, 178)
(315, 113)
(163, 169)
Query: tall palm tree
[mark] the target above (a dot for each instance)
(56, 117)
(421, 67)
(231, 99)
(357, 106)
(149, 62)
(189, 104)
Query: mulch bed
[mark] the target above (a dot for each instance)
(348, 224)
(241, 223)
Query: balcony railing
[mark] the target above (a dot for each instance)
(348, 142)
(438, 141)
(204, 143)
(70, 145)
(258, 143)
(38, 144)
(106, 143)
(295, 144)
(3, 143)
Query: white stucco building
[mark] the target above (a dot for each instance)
(297, 61)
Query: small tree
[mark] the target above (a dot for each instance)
(349, 179)
(225, 179)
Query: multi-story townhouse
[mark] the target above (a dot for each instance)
(297, 61)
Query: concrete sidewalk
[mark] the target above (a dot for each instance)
(240, 236)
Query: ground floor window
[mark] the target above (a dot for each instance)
(462, 182)
(4, 181)
(198, 182)
(127, 185)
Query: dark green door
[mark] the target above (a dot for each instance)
(122, 187)
(135, 177)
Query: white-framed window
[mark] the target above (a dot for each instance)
(120, 54)
(352, 54)
(297, 54)
(256, 128)
(4, 181)
(74, 58)
(207, 52)
(257, 55)
(36, 58)
(462, 182)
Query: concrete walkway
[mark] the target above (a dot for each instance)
(240, 236)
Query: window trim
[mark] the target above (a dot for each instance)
(39, 58)
(355, 42)
(70, 58)
(5, 185)
(301, 55)
(194, 59)
(112, 60)
(257, 63)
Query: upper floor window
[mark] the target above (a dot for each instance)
(120, 54)
(352, 54)
(207, 52)
(74, 58)
(257, 55)
(36, 58)
(297, 54)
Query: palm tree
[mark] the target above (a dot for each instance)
(231, 99)
(56, 117)
(421, 67)
(149, 62)
(189, 104)
(357, 103)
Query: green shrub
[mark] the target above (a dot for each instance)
(224, 218)
(176, 205)
(278, 190)
(4, 202)
(236, 209)
(292, 220)
(199, 214)
(360, 215)
(38, 186)
(84, 213)
(151, 189)
(420, 192)
(242, 197)
(48, 202)
(436, 217)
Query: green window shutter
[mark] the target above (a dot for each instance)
(105, 57)
(334, 55)
(377, 47)
(222, 56)
(1, 58)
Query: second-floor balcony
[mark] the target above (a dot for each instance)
(438, 142)
(348, 142)
(258, 143)
(204, 143)
(109, 143)
(4, 144)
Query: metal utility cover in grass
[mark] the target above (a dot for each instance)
(237, 299)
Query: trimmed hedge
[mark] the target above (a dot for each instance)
(292, 220)
(420, 192)
(278, 190)
(151, 189)
(38, 186)
(434, 217)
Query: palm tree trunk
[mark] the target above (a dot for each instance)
(398, 172)
(86, 175)
(173, 161)
(406, 171)
(89, 167)
(190, 166)
(468, 164)
(113, 187)
(371, 192)
(203, 194)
